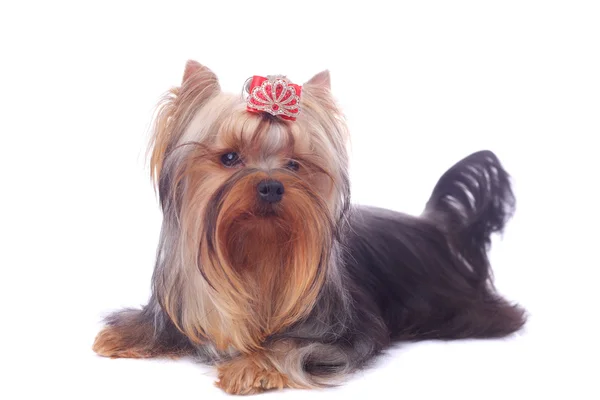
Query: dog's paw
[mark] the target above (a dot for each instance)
(246, 376)
(111, 343)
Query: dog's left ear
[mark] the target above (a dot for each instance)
(322, 79)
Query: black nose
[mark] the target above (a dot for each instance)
(270, 190)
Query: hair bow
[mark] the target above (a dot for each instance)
(275, 95)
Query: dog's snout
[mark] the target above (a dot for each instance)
(270, 190)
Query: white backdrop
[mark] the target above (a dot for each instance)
(423, 84)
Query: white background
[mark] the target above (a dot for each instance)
(423, 84)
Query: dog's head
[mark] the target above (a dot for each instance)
(252, 203)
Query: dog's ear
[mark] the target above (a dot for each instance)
(191, 67)
(322, 79)
(176, 110)
(197, 74)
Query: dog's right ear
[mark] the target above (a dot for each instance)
(176, 110)
(196, 74)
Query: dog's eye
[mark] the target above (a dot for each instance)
(230, 159)
(293, 165)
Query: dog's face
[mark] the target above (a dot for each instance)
(255, 200)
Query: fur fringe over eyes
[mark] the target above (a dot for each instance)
(298, 288)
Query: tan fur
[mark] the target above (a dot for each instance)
(117, 342)
(282, 270)
(249, 268)
(265, 272)
(252, 375)
(176, 110)
(280, 366)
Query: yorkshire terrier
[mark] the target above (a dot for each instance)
(265, 270)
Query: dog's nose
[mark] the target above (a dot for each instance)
(270, 190)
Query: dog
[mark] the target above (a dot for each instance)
(264, 268)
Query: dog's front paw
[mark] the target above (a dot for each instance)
(247, 375)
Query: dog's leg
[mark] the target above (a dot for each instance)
(251, 374)
(288, 363)
(140, 334)
(491, 318)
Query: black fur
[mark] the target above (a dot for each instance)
(428, 273)
(415, 278)
(400, 278)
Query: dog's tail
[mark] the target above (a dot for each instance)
(470, 202)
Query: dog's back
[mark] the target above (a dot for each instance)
(430, 275)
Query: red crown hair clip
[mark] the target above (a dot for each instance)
(275, 95)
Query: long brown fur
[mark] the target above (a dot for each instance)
(301, 291)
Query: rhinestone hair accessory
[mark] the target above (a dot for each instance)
(275, 95)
